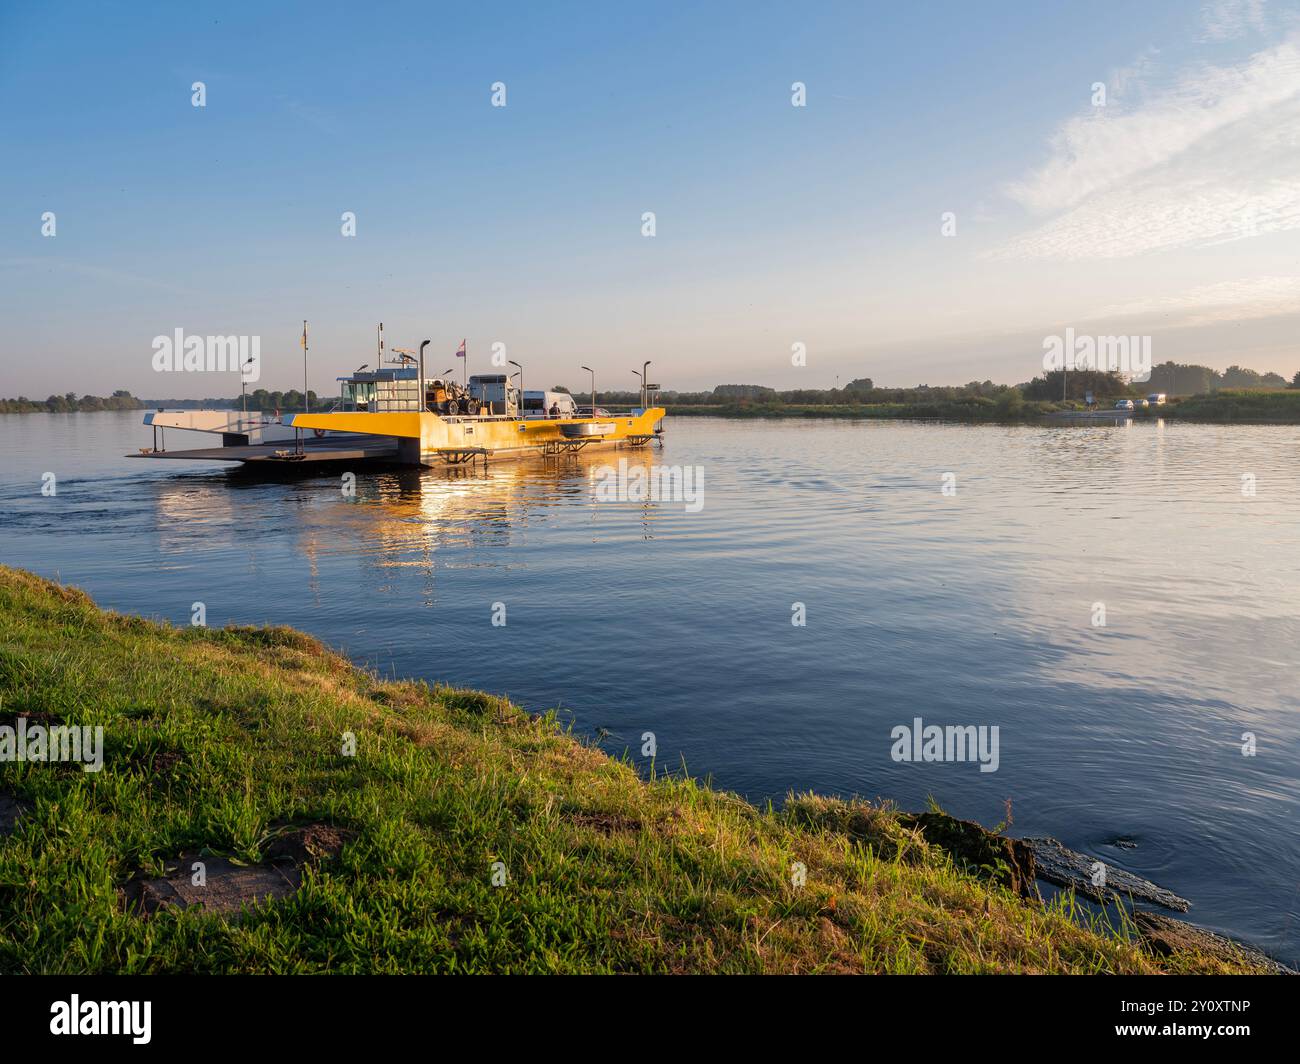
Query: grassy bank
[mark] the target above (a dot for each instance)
(218, 742)
(971, 408)
(1256, 407)
(1263, 407)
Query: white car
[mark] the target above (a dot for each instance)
(1124, 404)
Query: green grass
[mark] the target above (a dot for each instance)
(1261, 407)
(213, 739)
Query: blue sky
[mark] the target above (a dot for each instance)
(1171, 211)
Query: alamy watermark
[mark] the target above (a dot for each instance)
(931, 742)
(1130, 355)
(684, 484)
(77, 1017)
(179, 353)
(59, 743)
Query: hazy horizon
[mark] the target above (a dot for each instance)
(1170, 210)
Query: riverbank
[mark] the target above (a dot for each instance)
(403, 828)
(1246, 407)
(973, 408)
(1264, 407)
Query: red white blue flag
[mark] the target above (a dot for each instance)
(460, 351)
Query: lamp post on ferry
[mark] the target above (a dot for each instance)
(641, 378)
(593, 389)
(521, 385)
(424, 402)
(645, 384)
(243, 387)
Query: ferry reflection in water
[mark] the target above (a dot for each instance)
(400, 519)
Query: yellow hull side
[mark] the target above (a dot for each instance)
(437, 434)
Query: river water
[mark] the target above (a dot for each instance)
(957, 574)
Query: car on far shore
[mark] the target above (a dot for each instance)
(1124, 404)
(1157, 398)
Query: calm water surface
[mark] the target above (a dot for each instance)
(974, 608)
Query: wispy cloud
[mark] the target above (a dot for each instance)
(316, 117)
(1249, 297)
(1214, 158)
(1226, 20)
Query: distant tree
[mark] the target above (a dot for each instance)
(735, 392)
(1295, 381)
(1240, 377)
(1077, 384)
(1176, 378)
(1010, 402)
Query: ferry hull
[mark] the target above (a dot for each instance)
(430, 439)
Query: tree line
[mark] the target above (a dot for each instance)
(260, 400)
(69, 403)
(1172, 378)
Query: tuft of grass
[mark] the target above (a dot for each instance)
(216, 739)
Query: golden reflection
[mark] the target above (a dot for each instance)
(392, 519)
(401, 518)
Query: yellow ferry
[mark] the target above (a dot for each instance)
(396, 415)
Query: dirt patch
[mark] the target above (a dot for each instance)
(214, 885)
(33, 718)
(218, 885)
(309, 844)
(12, 810)
(605, 823)
(165, 764)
